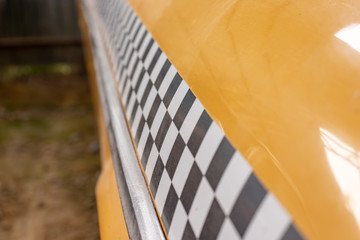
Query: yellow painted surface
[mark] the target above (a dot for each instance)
(110, 215)
(283, 81)
(111, 218)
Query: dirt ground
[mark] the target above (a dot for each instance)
(49, 158)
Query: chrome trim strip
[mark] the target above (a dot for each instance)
(140, 215)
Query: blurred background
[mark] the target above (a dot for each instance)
(49, 153)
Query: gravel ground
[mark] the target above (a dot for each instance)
(49, 159)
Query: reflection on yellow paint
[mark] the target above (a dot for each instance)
(350, 35)
(344, 163)
(272, 73)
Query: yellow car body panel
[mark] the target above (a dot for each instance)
(282, 78)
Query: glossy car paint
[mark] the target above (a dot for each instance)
(282, 80)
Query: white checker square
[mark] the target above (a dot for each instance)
(191, 119)
(159, 64)
(178, 222)
(178, 98)
(136, 121)
(228, 231)
(201, 206)
(269, 222)
(150, 55)
(167, 81)
(208, 146)
(233, 180)
(162, 192)
(149, 101)
(145, 42)
(158, 119)
(144, 81)
(182, 170)
(151, 162)
(168, 143)
(143, 139)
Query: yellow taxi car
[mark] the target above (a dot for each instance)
(226, 119)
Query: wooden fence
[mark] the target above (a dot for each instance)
(39, 31)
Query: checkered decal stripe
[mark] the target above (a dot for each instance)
(203, 187)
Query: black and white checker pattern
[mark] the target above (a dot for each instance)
(203, 187)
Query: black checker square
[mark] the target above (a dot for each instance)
(291, 234)
(247, 203)
(188, 233)
(140, 79)
(175, 155)
(125, 83)
(146, 93)
(156, 175)
(141, 39)
(123, 62)
(164, 127)
(174, 85)
(213, 222)
(148, 145)
(154, 108)
(121, 57)
(133, 112)
(191, 186)
(219, 162)
(184, 108)
(134, 68)
(199, 133)
(119, 44)
(147, 50)
(126, 66)
(154, 61)
(131, 25)
(139, 130)
(136, 33)
(129, 94)
(162, 74)
(169, 208)
(128, 18)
